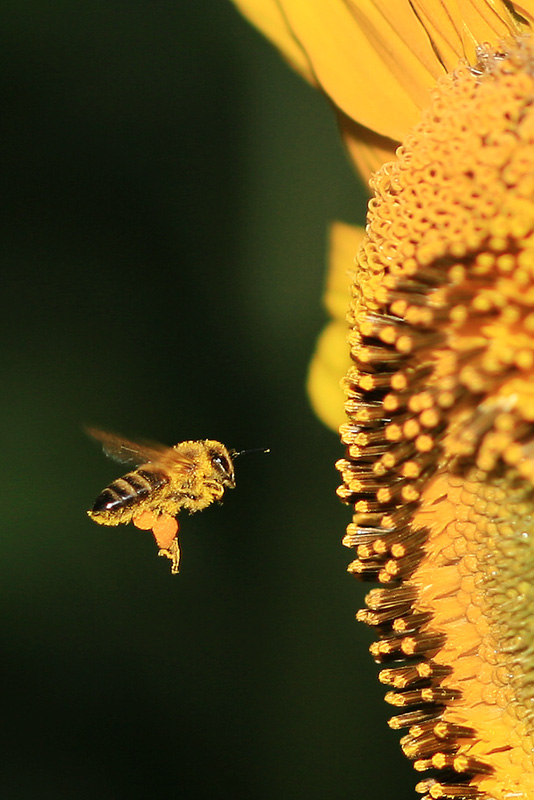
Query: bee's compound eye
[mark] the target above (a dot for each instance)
(222, 463)
(223, 468)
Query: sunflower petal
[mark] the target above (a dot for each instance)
(367, 149)
(376, 59)
(268, 17)
(378, 77)
(331, 358)
(526, 9)
(456, 27)
(484, 21)
(443, 25)
(344, 243)
(328, 365)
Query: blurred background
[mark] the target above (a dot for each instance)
(166, 186)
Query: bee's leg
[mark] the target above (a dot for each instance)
(172, 552)
(165, 531)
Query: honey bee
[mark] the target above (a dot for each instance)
(190, 475)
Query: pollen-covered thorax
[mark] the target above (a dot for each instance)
(440, 431)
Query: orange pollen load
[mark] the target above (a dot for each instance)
(439, 467)
(164, 527)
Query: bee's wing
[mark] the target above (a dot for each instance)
(127, 452)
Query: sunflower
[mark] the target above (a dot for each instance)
(376, 61)
(437, 101)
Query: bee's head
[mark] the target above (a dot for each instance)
(222, 461)
(221, 464)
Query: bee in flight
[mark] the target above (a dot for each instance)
(190, 475)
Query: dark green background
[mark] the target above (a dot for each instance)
(166, 184)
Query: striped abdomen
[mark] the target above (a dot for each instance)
(131, 489)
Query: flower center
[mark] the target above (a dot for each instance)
(440, 437)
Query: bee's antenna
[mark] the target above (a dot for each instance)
(247, 452)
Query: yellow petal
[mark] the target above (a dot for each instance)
(267, 16)
(344, 243)
(456, 27)
(367, 149)
(484, 21)
(331, 358)
(444, 29)
(378, 77)
(328, 365)
(526, 9)
(376, 59)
